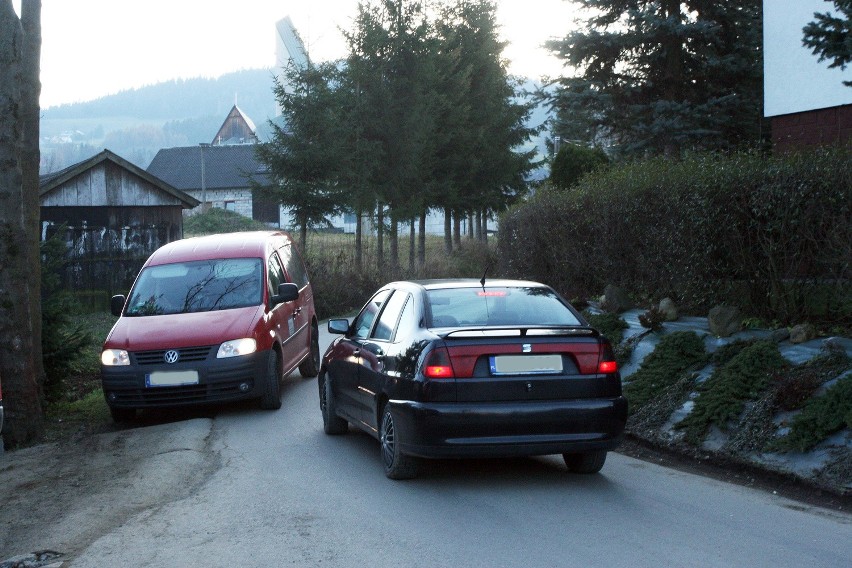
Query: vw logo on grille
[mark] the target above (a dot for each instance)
(171, 356)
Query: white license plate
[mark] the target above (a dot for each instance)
(525, 364)
(171, 378)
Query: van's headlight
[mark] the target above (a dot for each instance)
(237, 347)
(115, 357)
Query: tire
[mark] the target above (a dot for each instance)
(122, 415)
(332, 424)
(396, 464)
(271, 398)
(309, 368)
(585, 462)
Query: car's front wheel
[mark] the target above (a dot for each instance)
(585, 462)
(396, 464)
(332, 423)
(271, 397)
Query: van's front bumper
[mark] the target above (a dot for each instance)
(219, 380)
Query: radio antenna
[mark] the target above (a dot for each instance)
(482, 281)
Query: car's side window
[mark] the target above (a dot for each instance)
(275, 274)
(390, 315)
(408, 321)
(364, 321)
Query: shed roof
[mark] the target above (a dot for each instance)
(225, 167)
(50, 182)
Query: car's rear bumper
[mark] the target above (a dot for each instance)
(504, 429)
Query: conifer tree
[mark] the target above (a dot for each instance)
(663, 76)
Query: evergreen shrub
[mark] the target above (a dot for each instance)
(770, 234)
(663, 367)
(722, 397)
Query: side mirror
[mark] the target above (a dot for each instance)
(287, 292)
(116, 304)
(339, 326)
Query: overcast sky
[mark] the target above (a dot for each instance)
(92, 48)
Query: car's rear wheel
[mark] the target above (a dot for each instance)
(310, 366)
(585, 462)
(122, 415)
(396, 464)
(271, 398)
(332, 423)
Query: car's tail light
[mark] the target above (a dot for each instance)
(438, 365)
(607, 363)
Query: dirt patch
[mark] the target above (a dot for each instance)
(63, 496)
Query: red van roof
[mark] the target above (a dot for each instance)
(226, 245)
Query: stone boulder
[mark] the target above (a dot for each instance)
(615, 300)
(724, 321)
(668, 309)
(802, 333)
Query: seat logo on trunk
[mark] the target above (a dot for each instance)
(171, 356)
(526, 348)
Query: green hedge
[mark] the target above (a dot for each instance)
(769, 234)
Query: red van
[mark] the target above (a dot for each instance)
(211, 319)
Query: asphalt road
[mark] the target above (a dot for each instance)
(286, 494)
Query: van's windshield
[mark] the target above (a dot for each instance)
(197, 286)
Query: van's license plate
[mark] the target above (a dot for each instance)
(525, 364)
(171, 378)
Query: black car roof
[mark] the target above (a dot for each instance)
(438, 284)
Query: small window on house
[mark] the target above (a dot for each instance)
(230, 206)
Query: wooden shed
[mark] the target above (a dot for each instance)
(111, 215)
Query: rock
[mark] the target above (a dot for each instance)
(802, 333)
(615, 300)
(668, 309)
(832, 346)
(724, 321)
(780, 335)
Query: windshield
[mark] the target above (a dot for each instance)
(498, 306)
(198, 286)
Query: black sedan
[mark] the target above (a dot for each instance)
(468, 368)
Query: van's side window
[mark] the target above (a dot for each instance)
(276, 274)
(294, 265)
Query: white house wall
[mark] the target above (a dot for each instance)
(794, 79)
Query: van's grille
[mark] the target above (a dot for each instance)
(186, 354)
(177, 396)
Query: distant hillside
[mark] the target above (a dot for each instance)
(137, 123)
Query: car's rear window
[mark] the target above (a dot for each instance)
(498, 306)
(198, 286)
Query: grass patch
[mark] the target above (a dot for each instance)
(664, 367)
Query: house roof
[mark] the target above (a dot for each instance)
(237, 129)
(52, 181)
(225, 167)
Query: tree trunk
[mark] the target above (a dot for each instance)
(448, 230)
(457, 230)
(380, 237)
(19, 306)
(394, 244)
(470, 230)
(31, 158)
(359, 228)
(412, 246)
(421, 241)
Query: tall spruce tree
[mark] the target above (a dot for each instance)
(663, 76)
(303, 155)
